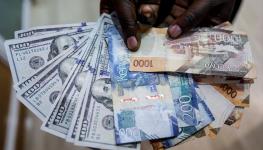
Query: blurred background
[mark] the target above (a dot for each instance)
(19, 128)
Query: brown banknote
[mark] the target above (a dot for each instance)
(209, 51)
(238, 94)
(235, 118)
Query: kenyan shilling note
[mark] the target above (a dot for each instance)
(204, 51)
(142, 102)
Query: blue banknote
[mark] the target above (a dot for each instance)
(185, 100)
(203, 115)
(142, 102)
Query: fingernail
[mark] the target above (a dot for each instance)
(147, 14)
(174, 31)
(132, 43)
(146, 10)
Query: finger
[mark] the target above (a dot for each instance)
(223, 12)
(126, 12)
(148, 13)
(190, 18)
(106, 6)
(176, 12)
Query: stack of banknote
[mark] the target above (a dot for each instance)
(86, 87)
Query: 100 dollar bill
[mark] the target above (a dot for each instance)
(42, 88)
(27, 55)
(50, 29)
(60, 118)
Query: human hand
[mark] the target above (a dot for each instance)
(179, 15)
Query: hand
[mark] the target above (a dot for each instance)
(127, 15)
(186, 14)
(179, 15)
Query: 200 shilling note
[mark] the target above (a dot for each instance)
(40, 91)
(60, 118)
(27, 55)
(186, 99)
(203, 51)
(49, 29)
(142, 102)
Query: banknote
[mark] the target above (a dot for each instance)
(49, 29)
(185, 100)
(238, 94)
(208, 51)
(27, 55)
(142, 102)
(59, 119)
(211, 132)
(73, 51)
(235, 118)
(40, 91)
(212, 79)
(220, 107)
(96, 124)
(185, 86)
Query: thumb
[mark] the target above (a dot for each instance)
(190, 18)
(126, 12)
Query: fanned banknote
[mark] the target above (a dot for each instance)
(89, 89)
(220, 106)
(238, 94)
(39, 93)
(50, 29)
(59, 120)
(234, 120)
(29, 54)
(188, 99)
(142, 102)
(204, 51)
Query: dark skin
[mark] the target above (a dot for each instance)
(183, 15)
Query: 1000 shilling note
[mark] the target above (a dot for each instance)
(50, 29)
(27, 55)
(238, 94)
(142, 102)
(40, 92)
(205, 51)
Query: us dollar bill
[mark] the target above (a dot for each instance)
(60, 118)
(40, 91)
(72, 51)
(49, 29)
(76, 117)
(27, 55)
(96, 123)
(205, 51)
(142, 102)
